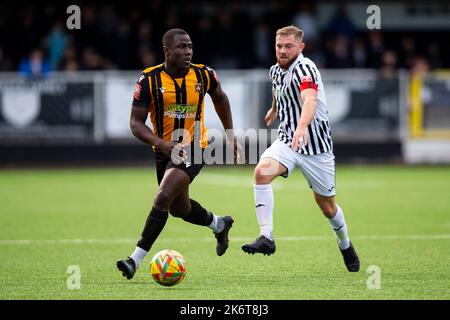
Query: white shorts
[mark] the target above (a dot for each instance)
(319, 170)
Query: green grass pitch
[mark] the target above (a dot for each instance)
(398, 218)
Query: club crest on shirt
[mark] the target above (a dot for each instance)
(198, 87)
(162, 89)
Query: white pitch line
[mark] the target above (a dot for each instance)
(304, 238)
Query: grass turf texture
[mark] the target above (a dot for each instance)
(393, 213)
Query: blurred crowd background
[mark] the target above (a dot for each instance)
(226, 35)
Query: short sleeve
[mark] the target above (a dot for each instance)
(272, 73)
(307, 78)
(141, 95)
(213, 80)
(272, 76)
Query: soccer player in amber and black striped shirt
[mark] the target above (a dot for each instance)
(172, 94)
(304, 141)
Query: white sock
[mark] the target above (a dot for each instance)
(264, 209)
(217, 224)
(138, 255)
(340, 228)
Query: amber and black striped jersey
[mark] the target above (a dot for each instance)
(176, 103)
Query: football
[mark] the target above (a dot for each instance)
(168, 267)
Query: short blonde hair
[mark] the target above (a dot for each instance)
(291, 31)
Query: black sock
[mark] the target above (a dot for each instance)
(156, 221)
(198, 215)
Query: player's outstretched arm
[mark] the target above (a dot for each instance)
(223, 110)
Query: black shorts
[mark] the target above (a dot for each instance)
(163, 163)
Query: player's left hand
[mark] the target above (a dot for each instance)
(300, 138)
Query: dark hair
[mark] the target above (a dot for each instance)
(170, 34)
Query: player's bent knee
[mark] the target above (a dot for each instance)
(327, 206)
(328, 212)
(163, 200)
(262, 178)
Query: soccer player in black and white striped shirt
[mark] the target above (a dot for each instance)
(304, 141)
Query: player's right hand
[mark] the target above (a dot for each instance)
(270, 117)
(173, 150)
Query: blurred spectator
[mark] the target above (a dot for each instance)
(35, 65)
(56, 42)
(203, 39)
(376, 49)
(341, 23)
(419, 66)
(144, 36)
(278, 14)
(243, 29)
(69, 54)
(359, 53)
(91, 60)
(123, 52)
(263, 52)
(407, 52)
(306, 20)
(108, 22)
(340, 53)
(313, 51)
(28, 32)
(5, 62)
(147, 58)
(225, 45)
(89, 35)
(171, 18)
(71, 65)
(388, 65)
(50, 14)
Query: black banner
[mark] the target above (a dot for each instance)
(372, 115)
(46, 110)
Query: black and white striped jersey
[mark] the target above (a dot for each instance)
(286, 88)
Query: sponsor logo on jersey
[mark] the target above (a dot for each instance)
(137, 92)
(280, 93)
(180, 111)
